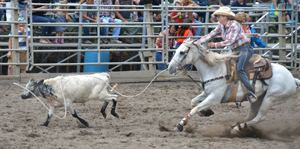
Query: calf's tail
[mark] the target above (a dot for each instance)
(114, 87)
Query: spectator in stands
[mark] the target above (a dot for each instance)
(22, 29)
(136, 2)
(156, 17)
(201, 3)
(244, 18)
(233, 36)
(23, 4)
(87, 17)
(239, 3)
(156, 14)
(2, 11)
(197, 31)
(62, 17)
(125, 17)
(176, 16)
(289, 4)
(172, 31)
(222, 3)
(40, 17)
(108, 17)
(184, 30)
(274, 5)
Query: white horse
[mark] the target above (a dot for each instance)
(212, 69)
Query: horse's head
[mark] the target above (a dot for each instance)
(185, 54)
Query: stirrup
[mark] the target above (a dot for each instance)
(251, 97)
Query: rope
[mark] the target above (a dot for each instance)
(138, 93)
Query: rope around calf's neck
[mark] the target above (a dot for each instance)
(44, 104)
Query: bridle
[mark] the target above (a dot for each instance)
(180, 61)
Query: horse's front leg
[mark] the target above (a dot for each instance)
(210, 100)
(198, 99)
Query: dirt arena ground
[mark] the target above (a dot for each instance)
(146, 121)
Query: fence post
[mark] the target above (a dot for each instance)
(150, 31)
(15, 40)
(282, 41)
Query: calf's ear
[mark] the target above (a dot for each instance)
(40, 82)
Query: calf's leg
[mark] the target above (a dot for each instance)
(74, 114)
(113, 109)
(103, 109)
(50, 113)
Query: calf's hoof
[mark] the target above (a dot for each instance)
(104, 115)
(86, 124)
(115, 114)
(44, 125)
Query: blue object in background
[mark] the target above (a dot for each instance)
(92, 57)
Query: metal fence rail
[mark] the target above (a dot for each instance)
(276, 51)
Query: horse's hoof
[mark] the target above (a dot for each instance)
(234, 131)
(178, 128)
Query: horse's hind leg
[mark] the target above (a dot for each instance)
(266, 105)
(254, 107)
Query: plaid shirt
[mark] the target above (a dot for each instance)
(233, 35)
(171, 40)
(248, 31)
(106, 13)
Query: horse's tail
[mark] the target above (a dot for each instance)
(297, 81)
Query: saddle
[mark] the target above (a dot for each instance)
(256, 64)
(257, 68)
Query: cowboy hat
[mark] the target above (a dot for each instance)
(225, 11)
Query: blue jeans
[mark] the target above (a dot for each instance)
(198, 30)
(104, 30)
(245, 51)
(86, 30)
(158, 57)
(43, 19)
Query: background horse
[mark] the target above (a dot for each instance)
(212, 69)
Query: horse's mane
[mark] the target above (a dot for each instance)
(209, 56)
